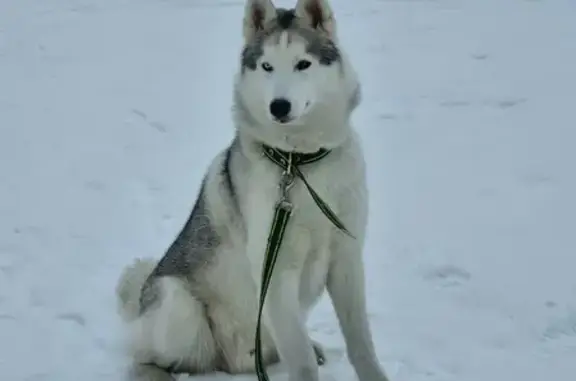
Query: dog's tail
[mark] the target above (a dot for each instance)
(129, 287)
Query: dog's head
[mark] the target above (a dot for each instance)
(293, 73)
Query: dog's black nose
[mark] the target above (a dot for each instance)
(280, 108)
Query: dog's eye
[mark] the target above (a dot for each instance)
(303, 65)
(267, 67)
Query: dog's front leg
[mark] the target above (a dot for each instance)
(346, 287)
(282, 315)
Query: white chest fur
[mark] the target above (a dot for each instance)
(308, 229)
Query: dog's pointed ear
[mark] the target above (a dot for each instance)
(257, 14)
(318, 14)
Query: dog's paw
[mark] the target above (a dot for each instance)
(273, 357)
(319, 352)
(148, 372)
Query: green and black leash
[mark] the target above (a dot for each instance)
(289, 162)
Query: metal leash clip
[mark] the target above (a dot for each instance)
(286, 182)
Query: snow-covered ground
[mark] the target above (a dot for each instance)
(110, 111)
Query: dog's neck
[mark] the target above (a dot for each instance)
(254, 148)
(301, 139)
(304, 143)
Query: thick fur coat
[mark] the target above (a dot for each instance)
(195, 309)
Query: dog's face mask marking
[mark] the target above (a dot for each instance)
(291, 65)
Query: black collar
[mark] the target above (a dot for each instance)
(282, 158)
(290, 162)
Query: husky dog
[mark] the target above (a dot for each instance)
(195, 310)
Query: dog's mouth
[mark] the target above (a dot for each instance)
(283, 120)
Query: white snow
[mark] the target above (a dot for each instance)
(110, 111)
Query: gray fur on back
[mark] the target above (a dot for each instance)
(195, 246)
(192, 250)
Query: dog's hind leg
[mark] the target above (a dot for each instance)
(235, 337)
(173, 332)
